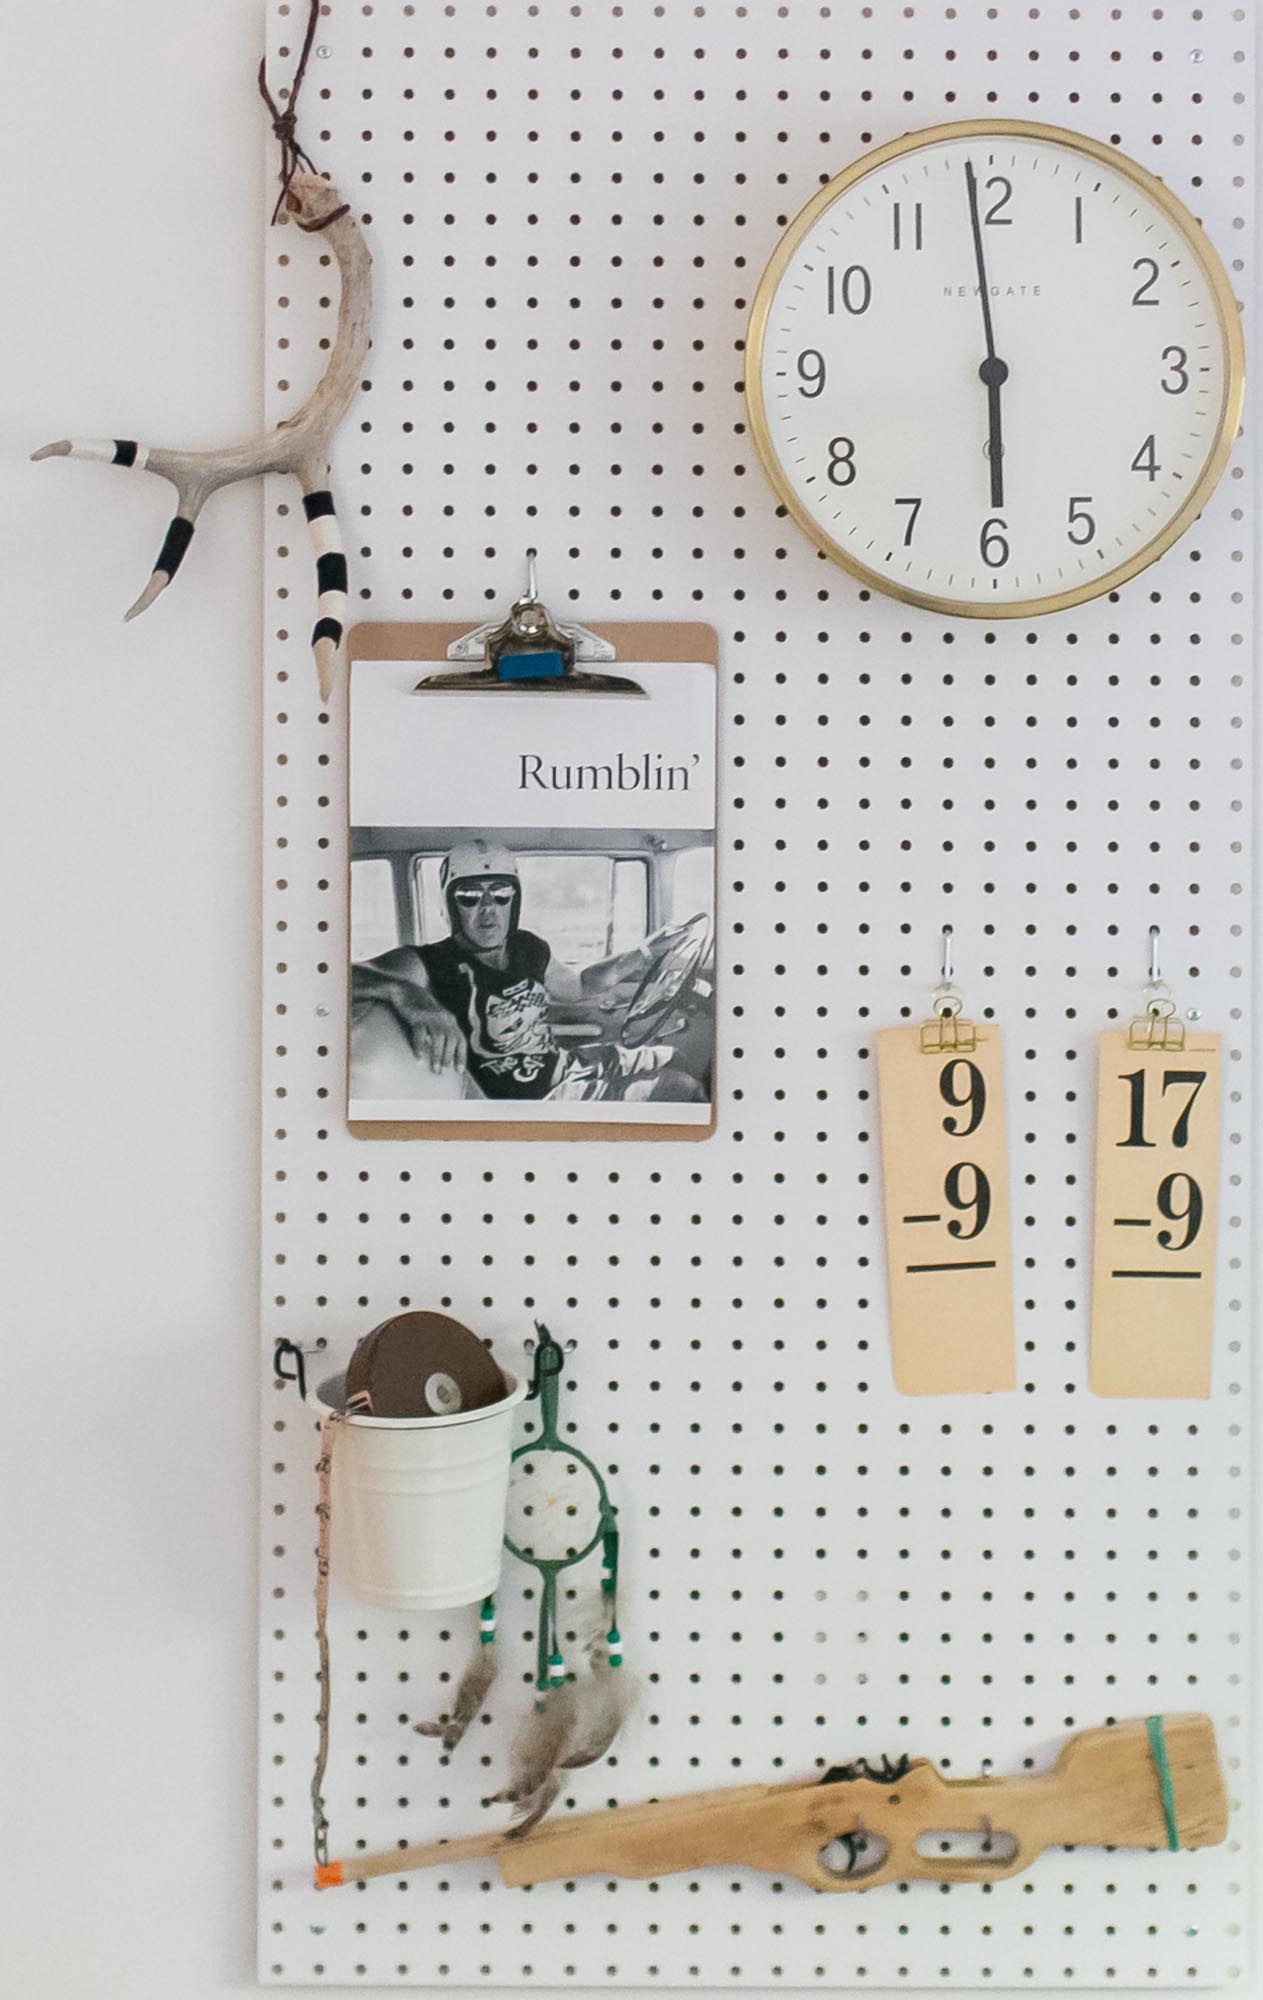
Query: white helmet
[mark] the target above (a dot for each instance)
(475, 860)
(476, 857)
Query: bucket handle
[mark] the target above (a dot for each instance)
(282, 1350)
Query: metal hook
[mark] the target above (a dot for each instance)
(947, 1001)
(532, 577)
(288, 1350)
(947, 1029)
(1160, 1026)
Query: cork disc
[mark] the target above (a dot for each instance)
(422, 1364)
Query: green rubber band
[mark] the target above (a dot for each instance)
(1162, 1765)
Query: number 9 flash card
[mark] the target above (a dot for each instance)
(945, 1172)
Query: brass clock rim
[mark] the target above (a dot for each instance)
(1226, 312)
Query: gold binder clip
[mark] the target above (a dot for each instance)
(1161, 1025)
(948, 1033)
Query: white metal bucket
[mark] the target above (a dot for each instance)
(418, 1503)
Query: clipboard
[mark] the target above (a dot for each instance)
(692, 647)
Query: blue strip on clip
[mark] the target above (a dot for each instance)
(530, 666)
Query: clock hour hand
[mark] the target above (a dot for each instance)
(992, 372)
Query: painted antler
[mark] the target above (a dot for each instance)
(300, 445)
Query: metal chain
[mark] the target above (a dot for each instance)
(324, 1467)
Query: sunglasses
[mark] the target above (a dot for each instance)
(469, 896)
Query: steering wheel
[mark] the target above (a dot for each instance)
(668, 982)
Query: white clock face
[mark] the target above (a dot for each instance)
(993, 370)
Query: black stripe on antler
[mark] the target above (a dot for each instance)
(175, 546)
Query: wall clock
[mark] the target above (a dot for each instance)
(994, 368)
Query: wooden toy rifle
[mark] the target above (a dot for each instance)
(1154, 1783)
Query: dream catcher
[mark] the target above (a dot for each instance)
(559, 1515)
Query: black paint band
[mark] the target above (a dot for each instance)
(327, 628)
(172, 552)
(124, 451)
(316, 504)
(330, 573)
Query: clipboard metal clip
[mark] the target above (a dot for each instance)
(530, 649)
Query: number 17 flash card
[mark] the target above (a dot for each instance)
(1157, 1199)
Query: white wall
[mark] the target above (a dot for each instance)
(133, 181)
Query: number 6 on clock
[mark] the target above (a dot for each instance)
(945, 1171)
(1157, 1198)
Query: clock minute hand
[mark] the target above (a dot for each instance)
(992, 372)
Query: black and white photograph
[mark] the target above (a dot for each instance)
(560, 967)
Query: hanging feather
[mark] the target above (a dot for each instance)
(531, 1811)
(604, 1700)
(570, 1727)
(538, 1750)
(473, 1688)
(471, 1696)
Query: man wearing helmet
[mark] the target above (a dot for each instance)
(477, 1001)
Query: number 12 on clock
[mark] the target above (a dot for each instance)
(946, 1177)
(1157, 1200)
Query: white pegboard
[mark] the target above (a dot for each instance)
(569, 207)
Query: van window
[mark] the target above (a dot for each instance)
(374, 927)
(693, 885)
